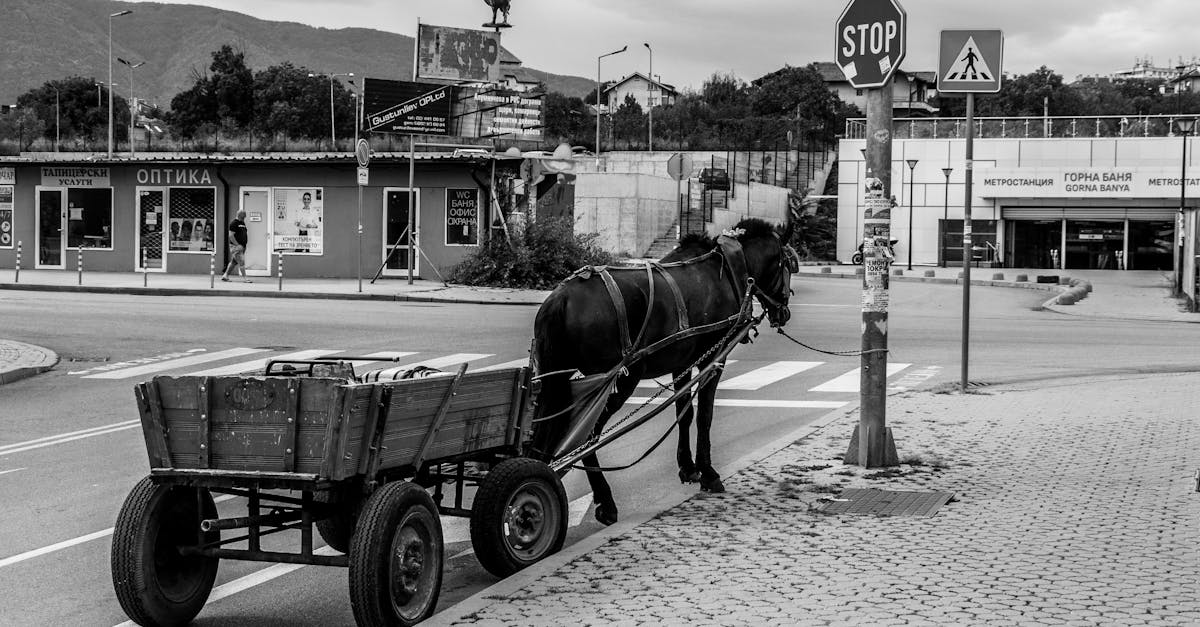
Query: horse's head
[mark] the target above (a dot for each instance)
(770, 261)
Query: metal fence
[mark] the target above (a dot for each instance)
(1083, 126)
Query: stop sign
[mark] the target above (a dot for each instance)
(871, 37)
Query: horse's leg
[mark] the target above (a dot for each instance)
(710, 481)
(683, 452)
(602, 496)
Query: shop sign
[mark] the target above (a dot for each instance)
(165, 176)
(462, 217)
(72, 176)
(8, 176)
(1115, 183)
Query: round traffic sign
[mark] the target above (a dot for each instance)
(679, 166)
(871, 41)
(362, 152)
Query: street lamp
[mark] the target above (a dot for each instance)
(650, 101)
(945, 215)
(132, 103)
(1185, 128)
(912, 165)
(609, 54)
(110, 77)
(56, 135)
(332, 76)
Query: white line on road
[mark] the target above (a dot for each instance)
(67, 437)
(849, 382)
(738, 402)
(388, 355)
(666, 379)
(516, 363)
(5, 472)
(768, 374)
(137, 362)
(255, 365)
(192, 360)
(440, 362)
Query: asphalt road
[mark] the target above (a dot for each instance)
(70, 451)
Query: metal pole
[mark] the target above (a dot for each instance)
(110, 79)
(281, 270)
(79, 265)
(912, 167)
(1184, 129)
(132, 109)
(872, 445)
(945, 216)
(212, 268)
(598, 110)
(358, 265)
(650, 103)
(56, 119)
(967, 240)
(332, 132)
(412, 214)
(17, 273)
(145, 279)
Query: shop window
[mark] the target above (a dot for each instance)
(462, 217)
(192, 212)
(983, 238)
(89, 218)
(299, 223)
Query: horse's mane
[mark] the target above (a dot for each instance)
(754, 227)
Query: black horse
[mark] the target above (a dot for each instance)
(588, 322)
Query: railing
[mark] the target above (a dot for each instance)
(1081, 126)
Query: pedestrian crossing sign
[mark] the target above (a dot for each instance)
(970, 61)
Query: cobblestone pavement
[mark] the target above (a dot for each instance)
(19, 360)
(1075, 505)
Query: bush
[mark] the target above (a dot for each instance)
(548, 252)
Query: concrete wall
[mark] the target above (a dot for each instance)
(765, 201)
(628, 210)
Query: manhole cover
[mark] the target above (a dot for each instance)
(888, 502)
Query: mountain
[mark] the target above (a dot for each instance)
(50, 39)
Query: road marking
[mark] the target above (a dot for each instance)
(136, 362)
(126, 373)
(67, 437)
(849, 382)
(740, 402)
(5, 472)
(260, 364)
(385, 355)
(666, 379)
(516, 363)
(66, 544)
(915, 378)
(768, 374)
(440, 362)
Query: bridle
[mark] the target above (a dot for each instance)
(789, 264)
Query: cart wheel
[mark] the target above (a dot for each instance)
(338, 528)
(396, 557)
(519, 516)
(154, 583)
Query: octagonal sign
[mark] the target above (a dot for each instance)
(871, 40)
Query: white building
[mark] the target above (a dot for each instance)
(646, 92)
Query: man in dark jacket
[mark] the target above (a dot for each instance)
(237, 246)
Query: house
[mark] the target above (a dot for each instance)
(647, 92)
(514, 76)
(910, 90)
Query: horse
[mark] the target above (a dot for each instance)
(693, 293)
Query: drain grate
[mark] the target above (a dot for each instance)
(888, 502)
(978, 384)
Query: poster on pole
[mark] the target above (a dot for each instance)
(458, 54)
(298, 225)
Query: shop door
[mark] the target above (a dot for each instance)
(152, 237)
(257, 205)
(396, 240)
(51, 246)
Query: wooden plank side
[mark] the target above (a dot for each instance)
(332, 433)
(159, 421)
(289, 429)
(354, 416)
(205, 421)
(152, 432)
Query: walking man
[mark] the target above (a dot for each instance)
(237, 246)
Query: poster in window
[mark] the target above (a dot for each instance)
(6, 216)
(190, 234)
(462, 217)
(299, 220)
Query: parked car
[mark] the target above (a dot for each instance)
(715, 178)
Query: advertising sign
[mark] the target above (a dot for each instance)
(70, 176)
(458, 54)
(462, 217)
(405, 107)
(6, 216)
(510, 114)
(298, 220)
(8, 176)
(187, 233)
(1114, 183)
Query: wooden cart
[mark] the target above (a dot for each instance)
(369, 466)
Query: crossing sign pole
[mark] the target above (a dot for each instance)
(870, 42)
(970, 62)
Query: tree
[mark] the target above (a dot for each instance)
(566, 119)
(80, 114)
(799, 94)
(221, 97)
(289, 102)
(629, 123)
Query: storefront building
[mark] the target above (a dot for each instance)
(1068, 203)
(169, 214)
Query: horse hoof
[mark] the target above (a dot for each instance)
(686, 476)
(712, 486)
(604, 516)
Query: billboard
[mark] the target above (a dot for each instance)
(458, 54)
(404, 107)
(513, 114)
(299, 220)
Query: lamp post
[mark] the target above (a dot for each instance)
(912, 165)
(945, 215)
(110, 77)
(608, 54)
(132, 103)
(1185, 128)
(650, 102)
(332, 120)
(56, 134)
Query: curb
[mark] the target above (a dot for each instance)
(516, 581)
(16, 374)
(174, 291)
(941, 280)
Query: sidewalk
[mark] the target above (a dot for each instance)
(1074, 505)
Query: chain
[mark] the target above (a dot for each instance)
(835, 353)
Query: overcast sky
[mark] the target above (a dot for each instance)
(694, 38)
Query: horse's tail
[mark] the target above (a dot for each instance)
(549, 328)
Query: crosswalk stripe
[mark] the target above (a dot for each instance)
(754, 402)
(439, 362)
(516, 363)
(363, 366)
(768, 374)
(171, 364)
(849, 382)
(666, 379)
(257, 365)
